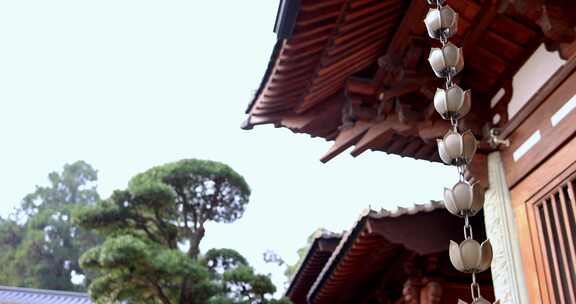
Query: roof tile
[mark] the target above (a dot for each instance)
(16, 295)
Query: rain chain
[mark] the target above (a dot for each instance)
(466, 198)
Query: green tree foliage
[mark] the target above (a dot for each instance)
(237, 280)
(202, 191)
(153, 232)
(40, 246)
(221, 260)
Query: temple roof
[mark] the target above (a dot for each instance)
(375, 250)
(356, 72)
(320, 251)
(16, 295)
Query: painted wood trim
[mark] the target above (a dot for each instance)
(552, 137)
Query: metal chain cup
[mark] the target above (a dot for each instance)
(457, 148)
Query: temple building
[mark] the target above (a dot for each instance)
(355, 72)
(386, 257)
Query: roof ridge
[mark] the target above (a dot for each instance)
(325, 233)
(416, 208)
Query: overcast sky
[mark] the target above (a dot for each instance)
(129, 84)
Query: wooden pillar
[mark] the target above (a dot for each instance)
(507, 270)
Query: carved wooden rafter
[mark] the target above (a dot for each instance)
(556, 18)
(370, 103)
(389, 113)
(383, 101)
(345, 139)
(323, 117)
(378, 133)
(403, 82)
(394, 76)
(371, 135)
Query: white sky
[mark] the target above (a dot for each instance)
(129, 84)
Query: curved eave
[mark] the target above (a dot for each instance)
(320, 251)
(390, 234)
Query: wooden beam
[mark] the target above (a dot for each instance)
(293, 57)
(368, 10)
(398, 145)
(315, 18)
(401, 88)
(377, 35)
(434, 130)
(340, 17)
(335, 57)
(371, 19)
(330, 69)
(384, 130)
(308, 44)
(556, 18)
(346, 139)
(488, 11)
(382, 23)
(558, 21)
(410, 82)
(411, 149)
(416, 11)
(425, 151)
(297, 122)
(259, 120)
(311, 32)
(259, 98)
(478, 170)
(328, 116)
(362, 86)
(318, 5)
(319, 92)
(380, 132)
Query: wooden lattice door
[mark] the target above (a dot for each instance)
(552, 216)
(540, 167)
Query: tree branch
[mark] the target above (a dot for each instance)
(140, 222)
(161, 225)
(160, 293)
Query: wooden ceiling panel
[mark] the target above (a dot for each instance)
(512, 30)
(367, 21)
(310, 19)
(320, 30)
(370, 8)
(312, 6)
(467, 10)
(500, 46)
(477, 79)
(487, 61)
